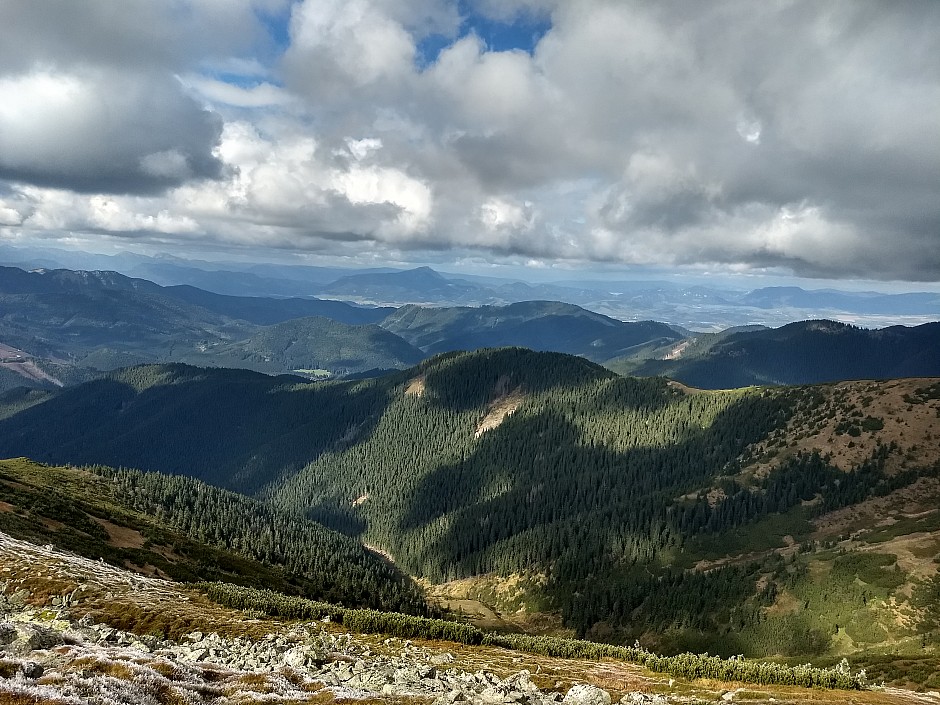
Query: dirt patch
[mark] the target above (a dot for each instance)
(380, 552)
(499, 410)
(361, 499)
(786, 603)
(50, 524)
(29, 370)
(22, 363)
(6, 507)
(415, 387)
(685, 389)
(121, 536)
(676, 352)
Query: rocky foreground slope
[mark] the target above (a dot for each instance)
(80, 631)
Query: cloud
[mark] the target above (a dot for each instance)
(730, 134)
(339, 47)
(61, 34)
(98, 131)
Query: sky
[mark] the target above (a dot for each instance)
(787, 139)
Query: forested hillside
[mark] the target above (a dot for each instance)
(315, 346)
(180, 528)
(748, 521)
(538, 325)
(234, 428)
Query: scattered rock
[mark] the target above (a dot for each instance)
(7, 633)
(644, 699)
(32, 637)
(338, 661)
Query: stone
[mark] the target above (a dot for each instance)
(8, 633)
(644, 699)
(31, 670)
(583, 694)
(522, 682)
(31, 637)
(298, 657)
(492, 696)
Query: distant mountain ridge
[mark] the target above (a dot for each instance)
(538, 325)
(807, 352)
(422, 284)
(695, 306)
(71, 323)
(104, 320)
(829, 299)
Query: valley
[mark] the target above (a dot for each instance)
(75, 325)
(467, 352)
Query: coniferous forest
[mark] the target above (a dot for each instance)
(634, 508)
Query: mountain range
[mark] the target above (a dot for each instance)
(63, 326)
(495, 453)
(760, 509)
(706, 308)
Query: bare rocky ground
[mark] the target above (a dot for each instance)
(62, 641)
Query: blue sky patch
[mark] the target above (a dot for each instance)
(523, 33)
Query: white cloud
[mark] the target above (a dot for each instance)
(499, 214)
(99, 130)
(360, 149)
(735, 133)
(215, 91)
(338, 45)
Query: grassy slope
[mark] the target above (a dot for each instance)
(74, 509)
(862, 580)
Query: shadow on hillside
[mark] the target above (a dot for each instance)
(533, 494)
(232, 428)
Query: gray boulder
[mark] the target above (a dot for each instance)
(583, 694)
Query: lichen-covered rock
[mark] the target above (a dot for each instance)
(32, 637)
